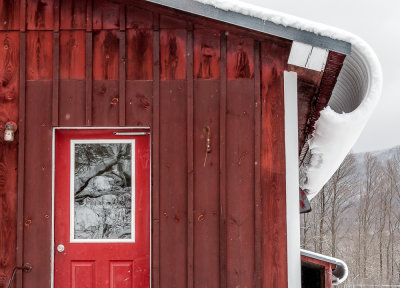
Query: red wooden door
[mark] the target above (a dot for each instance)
(101, 209)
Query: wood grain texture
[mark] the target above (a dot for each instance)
(37, 213)
(137, 18)
(240, 63)
(155, 255)
(139, 103)
(189, 145)
(39, 55)
(222, 166)
(139, 49)
(240, 182)
(105, 103)
(72, 54)
(56, 78)
(173, 184)
(105, 55)
(72, 103)
(9, 94)
(105, 15)
(40, 14)
(257, 169)
(9, 15)
(206, 184)
(206, 54)
(21, 156)
(73, 14)
(173, 54)
(274, 57)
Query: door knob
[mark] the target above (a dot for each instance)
(60, 248)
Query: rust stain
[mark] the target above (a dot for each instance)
(40, 13)
(177, 218)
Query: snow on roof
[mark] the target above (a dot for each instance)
(353, 100)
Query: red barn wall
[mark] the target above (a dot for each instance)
(218, 219)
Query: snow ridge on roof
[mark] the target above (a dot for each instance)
(353, 100)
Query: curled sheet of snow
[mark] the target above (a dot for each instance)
(340, 273)
(354, 98)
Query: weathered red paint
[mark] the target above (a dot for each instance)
(140, 64)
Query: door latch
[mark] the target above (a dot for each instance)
(26, 268)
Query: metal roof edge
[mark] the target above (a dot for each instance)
(257, 24)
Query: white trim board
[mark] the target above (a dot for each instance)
(292, 180)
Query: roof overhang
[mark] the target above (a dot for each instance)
(257, 24)
(355, 94)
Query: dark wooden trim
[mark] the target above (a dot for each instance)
(89, 15)
(89, 78)
(222, 166)
(257, 168)
(155, 269)
(190, 180)
(21, 158)
(56, 77)
(122, 17)
(56, 15)
(122, 77)
(22, 16)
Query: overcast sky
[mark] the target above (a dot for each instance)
(377, 22)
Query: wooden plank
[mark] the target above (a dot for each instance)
(222, 166)
(189, 138)
(155, 269)
(173, 54)
(72, 103)
(139, 103)
(257, 170)
(273, 170)
(40, 14)
(139, 54)
(56, 77)
(9, 15)
(137, 18)
(240, 178)
(206, 54)
(173, 183)
(72, 54)
(9, 61)
(240, 57)
(89, 78)
(105, 55)
(37, 213)
(105, 103)
(122, 78)
(73, 14)
(206, 183)
(21, 157)
(39, 57)
(105, 15)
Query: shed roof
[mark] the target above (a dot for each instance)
(355, 94)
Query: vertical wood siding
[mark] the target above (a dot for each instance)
(218, 217)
